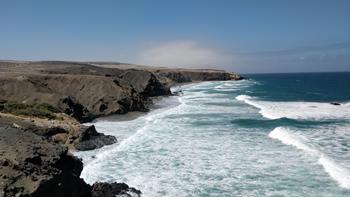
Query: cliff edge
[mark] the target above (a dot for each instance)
(86, 91)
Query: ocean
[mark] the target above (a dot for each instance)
(269, 135)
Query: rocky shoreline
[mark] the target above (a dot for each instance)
(42, 106)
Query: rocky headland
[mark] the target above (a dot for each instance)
(42, 106)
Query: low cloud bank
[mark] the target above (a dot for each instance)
(183, 54)
(191, 54)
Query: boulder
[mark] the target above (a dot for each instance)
(90, 139)
(113, 189)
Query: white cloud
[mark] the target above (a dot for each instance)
(183, 54)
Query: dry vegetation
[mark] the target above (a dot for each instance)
(40, 110)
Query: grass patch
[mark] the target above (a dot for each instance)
(40, 110)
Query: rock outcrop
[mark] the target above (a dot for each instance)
(111, 189)
(185, 75)
(90, 139)
(30, 165)
(65, 131)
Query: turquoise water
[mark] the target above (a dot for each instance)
(272, 135)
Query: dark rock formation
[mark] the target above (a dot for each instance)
(70, 106)
(110, 189)
(66, 132)
(91, 139)
(170, 77)
(145, 83)
(30, 165)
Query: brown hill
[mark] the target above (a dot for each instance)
(90, 90)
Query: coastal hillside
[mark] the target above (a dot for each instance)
(42, 106)
(89, 90)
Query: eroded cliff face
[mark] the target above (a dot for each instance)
(86, 91)
(82, 96)
(197, 75)
(30, 165)
(63, 130)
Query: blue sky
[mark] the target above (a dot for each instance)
(244, 36)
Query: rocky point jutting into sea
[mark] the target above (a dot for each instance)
(42, 106)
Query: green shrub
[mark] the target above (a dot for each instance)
(41, 110)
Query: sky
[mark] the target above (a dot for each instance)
(247, 36)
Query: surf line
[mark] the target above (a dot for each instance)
(335, 171)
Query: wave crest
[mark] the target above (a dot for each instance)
(298, 110)
(335, 171)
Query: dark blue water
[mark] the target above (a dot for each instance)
(317, 87)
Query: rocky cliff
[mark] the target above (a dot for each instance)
(86, 91)
(30, 165)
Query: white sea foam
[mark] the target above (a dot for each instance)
(286, 137)
(243, 97)
(335, 171)
(228, 86)
(249, 100)
(170, 152)
(298, 110)
(338, 173)
(220, 86)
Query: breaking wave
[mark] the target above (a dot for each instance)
(335, 171)
(298, 110)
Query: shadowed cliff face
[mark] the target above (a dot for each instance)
(30, 165)
(82, 96)
(189, 76)
(86, 91)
